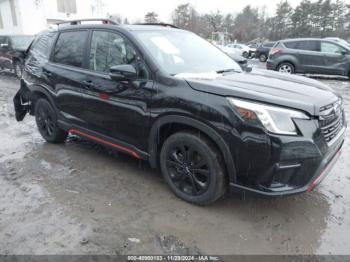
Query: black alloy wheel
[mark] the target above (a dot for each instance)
(188, 169)
(192, 167)
(46, 121)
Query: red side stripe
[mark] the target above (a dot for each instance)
(104, 96)
(131, 152)
(316, 181)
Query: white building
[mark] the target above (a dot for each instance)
(33, 16)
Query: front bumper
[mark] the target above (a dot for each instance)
(297, 166)
(322, 172)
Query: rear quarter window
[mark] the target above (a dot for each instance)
(291, 45)
(42, 45)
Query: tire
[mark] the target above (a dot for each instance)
(286, 68)
(193, 168)
(262, 58)
(245, 54)
(18, 69)
(46, 121)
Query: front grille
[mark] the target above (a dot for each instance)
(331, 120)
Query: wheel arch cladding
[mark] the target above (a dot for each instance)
(38, 93)
(171, 124)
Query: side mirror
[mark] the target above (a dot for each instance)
(123, 73)
(344, 52)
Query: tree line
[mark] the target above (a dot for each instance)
(321, 18)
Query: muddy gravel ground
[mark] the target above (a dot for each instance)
(79, 198)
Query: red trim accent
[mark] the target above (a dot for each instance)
(324, 172)
(131, 152)
(103, 96)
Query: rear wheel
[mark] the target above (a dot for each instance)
(286, 68)
(262, 58)
(193, 168)
(245, 54)
(46, 121)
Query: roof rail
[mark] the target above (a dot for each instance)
(158, 24)
(79, 21)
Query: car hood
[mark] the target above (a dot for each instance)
(268, 87)
(237, 57)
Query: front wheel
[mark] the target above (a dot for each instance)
(245, 54)
(193, 168)
(46, 121)
(286, 68)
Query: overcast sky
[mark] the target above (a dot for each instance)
(136, 9)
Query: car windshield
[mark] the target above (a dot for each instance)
(21, 42)
(343, 42)
(178, 51)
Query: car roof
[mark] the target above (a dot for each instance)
(17, 35)
(136, 27)
(301, 39)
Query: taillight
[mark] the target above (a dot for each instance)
(276, 51)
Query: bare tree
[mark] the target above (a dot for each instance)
(186, 17)
(311, 18)
(215, 20)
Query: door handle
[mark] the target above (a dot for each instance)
(47, 73)
(88, 84)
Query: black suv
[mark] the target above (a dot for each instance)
(167, 96)
(12, 52)
(262, 52)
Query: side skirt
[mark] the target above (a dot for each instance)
(104, 140)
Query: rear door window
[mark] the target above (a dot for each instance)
(70, 48)
(291, 45)
(308, 46)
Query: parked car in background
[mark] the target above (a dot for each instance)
(262, 52)
(167, 96)
(243, 49)
(252, 51)
(310, 56)
(253, 47)
(339, 40)
(12, 52)
(235, 55)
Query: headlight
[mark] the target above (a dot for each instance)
(275, 119)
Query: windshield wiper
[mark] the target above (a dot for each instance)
(228, 71)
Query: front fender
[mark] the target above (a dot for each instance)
(196, 124)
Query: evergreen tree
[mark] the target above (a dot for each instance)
(151, 17)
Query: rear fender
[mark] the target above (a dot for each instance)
(21, 102)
